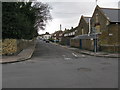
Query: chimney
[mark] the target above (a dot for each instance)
(60, 27)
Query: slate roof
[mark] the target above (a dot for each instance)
(111, 13)
(70, 30)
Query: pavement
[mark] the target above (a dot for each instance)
(28, 52)
(25, 54)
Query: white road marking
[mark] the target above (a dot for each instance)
(74, 55)
(66, 58)
(83, 55)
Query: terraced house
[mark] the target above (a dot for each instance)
(100, 33)
(67, 35)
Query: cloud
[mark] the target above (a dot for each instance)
(68, 12)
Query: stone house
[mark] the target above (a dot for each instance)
(105, 24)
(82, 34)
(101, 34)
(83, 26)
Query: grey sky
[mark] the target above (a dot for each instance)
(68, 12)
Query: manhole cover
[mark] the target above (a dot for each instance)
(83, 69)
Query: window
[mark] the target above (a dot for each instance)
(97, 18)
(55, 35)
(107, 23)
(82, 31)
(98, 29)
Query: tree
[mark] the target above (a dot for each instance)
(22, 20)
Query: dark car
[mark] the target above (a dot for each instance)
(47, 41)
(44, 40)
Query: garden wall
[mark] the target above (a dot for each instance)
(13, 46)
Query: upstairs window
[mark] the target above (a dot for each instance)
(97, 18)
(82, 31)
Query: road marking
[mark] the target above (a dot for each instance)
(66, 58)
(83, 55)
(74, 55)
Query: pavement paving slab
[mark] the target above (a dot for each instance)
(25, 54)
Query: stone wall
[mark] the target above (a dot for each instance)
(75, 43)
(13, 46)
(88, 44)
(110, 48)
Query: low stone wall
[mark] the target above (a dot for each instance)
(13, 46)
(110, 48)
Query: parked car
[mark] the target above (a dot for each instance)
(44, 39)
(47, 41)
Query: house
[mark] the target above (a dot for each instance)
(56, 36)
(100, 33)
(105, 24)
(67, 35)
(46, 36)
(82, 34)
(83, 26)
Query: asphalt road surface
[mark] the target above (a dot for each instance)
(53, 66)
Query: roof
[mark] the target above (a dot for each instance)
(70, 30)
(87, 19)
(111, 13)
(57, 32)
(85, 36)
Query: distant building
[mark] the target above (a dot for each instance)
(56, 36)
(46, 36)
(67, 35)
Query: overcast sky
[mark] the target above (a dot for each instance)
(68, 12)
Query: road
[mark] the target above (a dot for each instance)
(53, 66)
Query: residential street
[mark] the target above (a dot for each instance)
(53, 66)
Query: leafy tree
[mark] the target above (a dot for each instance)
(22, 20)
